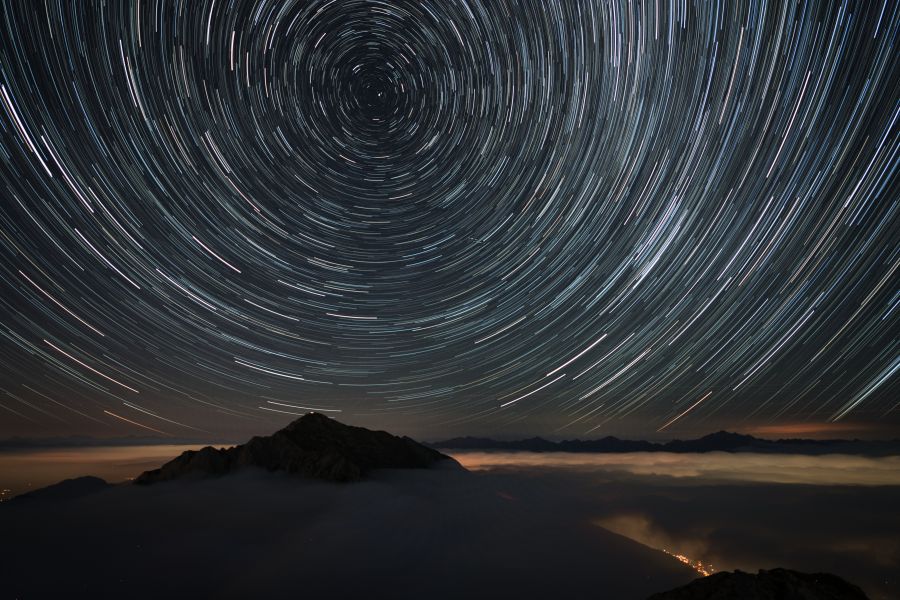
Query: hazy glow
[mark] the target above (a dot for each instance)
(832, 469)
(21, 471)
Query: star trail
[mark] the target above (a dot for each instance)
(564, 215)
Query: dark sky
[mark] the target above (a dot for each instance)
(569, 218)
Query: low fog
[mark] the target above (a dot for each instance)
(415, 534)
(518, 525)
(835, 514)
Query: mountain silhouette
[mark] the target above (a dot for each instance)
(68, 489)
(721, 441)
(314, 446)
(776, 584)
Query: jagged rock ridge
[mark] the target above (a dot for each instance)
(313, 446)
(776, 584)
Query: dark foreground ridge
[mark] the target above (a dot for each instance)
(722, 441)
(777, 584)
(313, 446)
(68, 489)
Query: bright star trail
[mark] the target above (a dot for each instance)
(562, 215)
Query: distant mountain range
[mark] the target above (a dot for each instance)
(313, 446)
(722, 441)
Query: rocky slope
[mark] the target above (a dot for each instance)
(776, 584)
(313, 446)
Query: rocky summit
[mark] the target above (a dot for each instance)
(314, 446)
(776, 584)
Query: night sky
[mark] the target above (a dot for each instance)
(564, 217)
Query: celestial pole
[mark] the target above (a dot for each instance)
(559, 214)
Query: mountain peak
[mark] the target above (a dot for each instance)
(311, 417)
(313, 446)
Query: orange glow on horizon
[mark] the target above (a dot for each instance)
(812, 429)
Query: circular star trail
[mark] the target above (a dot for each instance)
(564, 216)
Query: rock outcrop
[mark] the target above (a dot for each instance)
(776, 584)
(314, 446)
